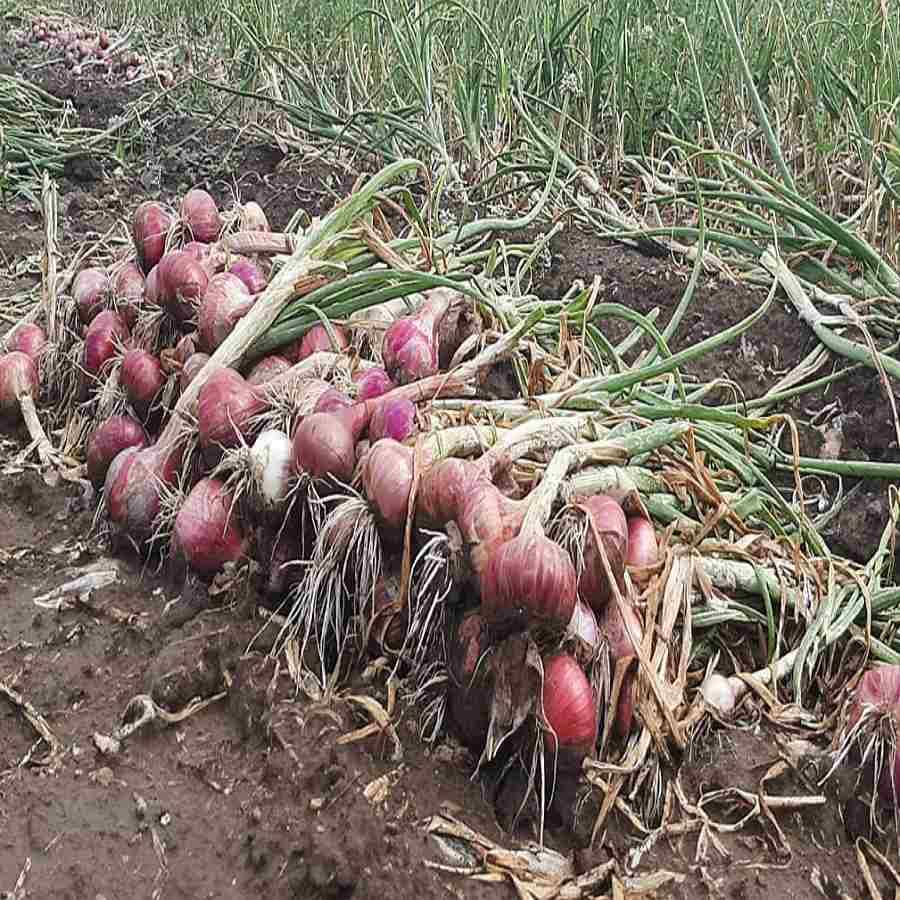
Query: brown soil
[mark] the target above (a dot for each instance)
(254, 796)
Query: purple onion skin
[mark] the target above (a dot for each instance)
(372, 383)
(395, 419)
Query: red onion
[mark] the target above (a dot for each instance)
(316, 339)
(181, 283)
(325, 443)
(606, 523)
(469, 698)
(643, 550)
(250, 274)
(128, 291)
(622, 630)
(225, 302)
(528, 579)
(206, 527)
(90, 290)
(226, 406)
(253, 218)
(191, 369)
(186, 347)
(108, 440)
(444, 488)
(201, 216)
(267, 368)
(387, 473)
(200, 252)
(394, 419)
(18, 378)
(410, 347)
(570, 711)
(149, 230)
(880, 689)
(142, 378)
(331, 400)
(101, 342)
(29, 339)
(371, 383)
(133, 487)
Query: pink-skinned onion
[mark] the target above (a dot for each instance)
(250, 274)
(410, 345)
(331, 400)
(28, 338)
(109, 439)
(622, 630)
(90, 291)
(102, 341)
(266, 369)
(879, 688)
(142, 378)
(606, 523)
(127, 290)
(225, 302)
(387, 473)
(201, 216)
(207, 528)
(134, 485)
(371, 383)
(569, 708)
(149, 229)
(226, 407)
(252, 217)
(18, 378)
(180, 284)
(394, 419)
(316, 339)
(643, 550)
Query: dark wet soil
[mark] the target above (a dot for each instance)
(255, 795)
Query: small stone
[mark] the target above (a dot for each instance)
(256, 814)
(140, 807)
(165, 819)
(103, 776)
(316, 803)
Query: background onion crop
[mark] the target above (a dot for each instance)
(110, 438)
(201, 216)
(149, 229)
(207, 529)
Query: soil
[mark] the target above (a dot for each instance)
(256, 794)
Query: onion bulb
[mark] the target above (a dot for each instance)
(252, 217)
(28, 338)
(250, 274)
(643, 551)
(569, 708)
(325, 443)
(371, 383)
(226, 406)
(90, 291)
(133, 487)
(207, 529)
(879, 688)
(387, 473)
(331, 400)
(201, 216)
(316, 339)
(266, 369)
(271, 462)
(109, 439)
(394, 419)
(607, 523)
(410, 345)
(583, 627)
(127, 288)
(18, 378)
(179, 284)
(142, 378)
(225, 301)
(149, 230)
(718, 692)
(102, 341)
(191, 369)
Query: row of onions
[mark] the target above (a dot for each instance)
(90, 50)
(360, 427)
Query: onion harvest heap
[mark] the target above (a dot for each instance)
(550, 547)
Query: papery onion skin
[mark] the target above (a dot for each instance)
(643, 550)
(331, 400)
(102, 340)
(201, 216)
(528, 580)
(622, 630)
(198, 251)
(90, 291)
(371, 383)
(607, 523)
(226, 406)
(487, 520)
(28, 338)
(110, 438)
(149, 229)
(569, 707)
(266, 369)
(181, 283)
(207, 527)
(470, 690)
(225, 301)
(18, 376)
(186, 347)
(325, 443)
(142, 378)
(191, 369)
(444, 487)
(583, 627)
(127, 289)
(409, 348)
(250, 274)
(133, 487)
(394, 419)
(387, 473)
